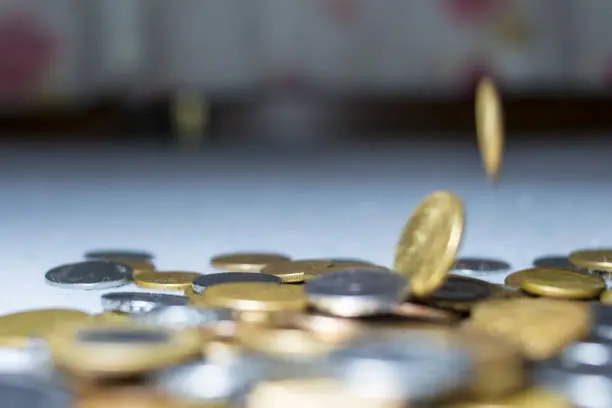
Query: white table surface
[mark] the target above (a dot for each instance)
(328, 202)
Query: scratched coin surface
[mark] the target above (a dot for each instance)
(89, 275)
(592, 259)
(490, 127)
(430, 241)
(561, 283)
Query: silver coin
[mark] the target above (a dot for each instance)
(139, 302)
(89, 275)
(554, 261)
(477, 266)
(413, 368)
(186, 316)
(584, 382)
(460, 289)
(202, 282)
(118, 254)
(23, 391)
(356, 292)
(207, 381)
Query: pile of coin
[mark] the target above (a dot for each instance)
(269, 331)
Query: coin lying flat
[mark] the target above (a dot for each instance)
(540, 327)
(562, 283)
(166, 280)
(20, 328)
(411, 367)
(89, 275)
(21, 391)
(245, 262)
(138, 302)
(553, 261)
(490, 127)
(479, 266)
(219, 320)
(202, 282)
(595, 259)
(98, 350)
(356, 292)
(294, 271)
(430, 241)
(255, 297)
(460, 293)
(530, 398)
(138, 265)
(117, 254)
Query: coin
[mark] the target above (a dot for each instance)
(394, 367)
(138, 302)
(255, 297)
(513, 281)
(478, 266)
(138, 266)
(245, 262)
(118, 254)
(89, 275)
(167, 280)
(562, 283)
(592, 259)
(553, 261)
(356, 292)
(219, 320)
(462, 289)
(294, 271)
(202, 282)
(99, 350)
(109, 317)
(490, 127)
(530, 398)
(17, 329)
(540, 327)
(20, 391)
(430, 241)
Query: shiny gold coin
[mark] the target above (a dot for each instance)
(513, 281)
(282, 341)
(540, 327)
(292, 271)
(490, 127)
(430, 241)
(531, 398)
(595, 259)
(562, 283)
(245, 262)
(107, 350)
(256, 297)
(166, 280)
(17, 329)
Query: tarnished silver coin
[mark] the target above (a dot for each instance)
(89, 275)
(186, 316)
(24, 391)
(113, 254)
(357, 292)
(139, 302)
(479, 266)
(406, 367)
(202, 282)
(462, 289)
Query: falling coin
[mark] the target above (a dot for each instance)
(490, 127)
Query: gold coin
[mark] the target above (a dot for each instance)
(282, 342)
(98, 350)
(562, 283)
(245, 262)
(490, 127)
(531, 398)
(139, 266)
(256, 297)
(429, 243)
(112, 317)
(595, 259)
(540, 327)
(606, 297)
(513, 280)
(169, 280)
(17, 329)
(294, 271)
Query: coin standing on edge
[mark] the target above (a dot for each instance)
(490, 127)
(202, 282)
(138, 302)
(166, 280)
(89, 275)
(357, 292)
(430, 241)
(245, 262)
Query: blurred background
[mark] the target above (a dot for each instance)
(205, 71)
